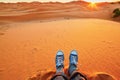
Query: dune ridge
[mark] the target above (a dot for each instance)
(44, 11)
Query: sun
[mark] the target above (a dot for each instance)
(92, 5)
(94, 1)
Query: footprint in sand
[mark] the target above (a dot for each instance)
(101, 76)
(1, 33)
(3, 28)
(43, 75)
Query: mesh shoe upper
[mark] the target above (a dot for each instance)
(59, 59)
(73, 57)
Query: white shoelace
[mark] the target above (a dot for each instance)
(59, 61)
(74, 60)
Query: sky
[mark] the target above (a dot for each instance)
(54, 0)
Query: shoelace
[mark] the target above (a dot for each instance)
(59, 61)
(73, 60)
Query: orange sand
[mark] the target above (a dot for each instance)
(44, 11)
(29, 48)
(30, 38)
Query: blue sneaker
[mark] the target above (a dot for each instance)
(73, 60)
(59, 61)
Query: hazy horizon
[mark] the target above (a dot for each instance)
(13, 1)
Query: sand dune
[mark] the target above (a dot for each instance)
(30, 37)
(29, 48)
(43, 11)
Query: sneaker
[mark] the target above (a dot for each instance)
(59, 61)
(73, 60)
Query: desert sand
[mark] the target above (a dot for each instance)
(29, 48)
(47, 11)
(30, 36)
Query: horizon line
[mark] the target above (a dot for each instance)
(54, 1)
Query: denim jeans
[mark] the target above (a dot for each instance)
(74, 76)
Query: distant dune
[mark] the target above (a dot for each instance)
(43, 11)
(29, 48)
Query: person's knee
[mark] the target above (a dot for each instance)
(77, 76)
(59, 78)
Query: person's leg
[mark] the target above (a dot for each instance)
(59, 67)
(74, 75)
(77, 76)
(59, 76)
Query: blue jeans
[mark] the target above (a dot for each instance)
(74, 76)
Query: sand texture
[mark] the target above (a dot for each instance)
(32, 33)
(29, 48)
(47, 11)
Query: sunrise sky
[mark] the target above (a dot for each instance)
(56, 0)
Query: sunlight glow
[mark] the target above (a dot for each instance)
(96, 1)
(92, 5)
(58, 0)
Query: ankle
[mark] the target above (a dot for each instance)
(60, 69)
(72, 68)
